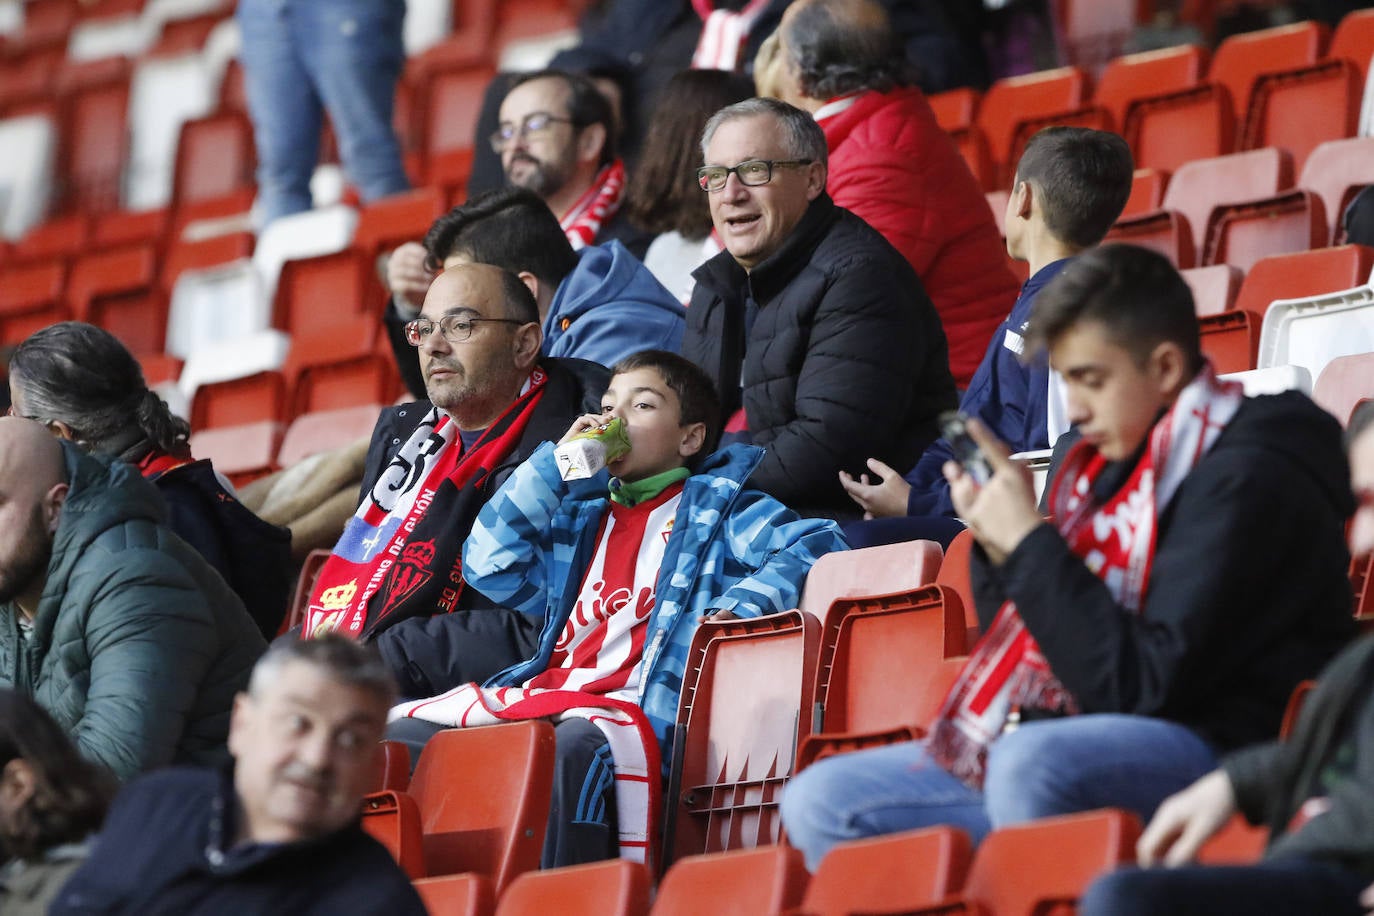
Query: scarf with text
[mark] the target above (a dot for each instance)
(403, 545)
(599, 203)
(723, 34)
(1006, 671)
(634, 750)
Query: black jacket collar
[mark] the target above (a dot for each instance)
(726, 277)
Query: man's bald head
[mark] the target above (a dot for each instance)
(835, 47)
(33, 490)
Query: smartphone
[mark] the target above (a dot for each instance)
(954, 429)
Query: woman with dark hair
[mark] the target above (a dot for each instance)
(83, 384)
(664, 197)
(51, 800)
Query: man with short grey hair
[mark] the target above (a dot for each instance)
(279, 832)
(815, 330)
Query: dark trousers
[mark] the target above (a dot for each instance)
(582, 824)
(1278, 887)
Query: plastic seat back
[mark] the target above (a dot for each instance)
(745, 698)
(1050, 861)
(94, 148)
(1299, 109)
(1137, 76)
(954, 109)
(1199, 187)
(1336, 170)
(236, 401)
(747, 882)
(1353, 40)
(325, 430)
(118, 291)
(890, 874)
(1273, 380)
(1165, 131)
(165, 93)
(241, 453)
(214, 157)
(322, 231)
(878, 570)
(1214, 287)
(1343, 383)
(457, 895)
(1164, 231)
(393, 819)
(31, 296)
(1302, 274)
(26, 172)
(1147, 192)
(1312, 332)
(312, 291)
(1241, 234)
(484, 799)
(1229, 340)
(60, 237)
(1014, 99)
(233, 358)
(1240, 59)
(216, 304)
(614, 888)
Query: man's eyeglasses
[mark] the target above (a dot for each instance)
(752, 172)
(455, 328)
(534, 123)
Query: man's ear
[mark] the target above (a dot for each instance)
(53, 501)
(17, 782)
(815, 180)
(525, 347)
(61, 430)
(591, 140)
(1170, 368)
(531, 283)
(693, 439)
(1023, 197)
(238, 722)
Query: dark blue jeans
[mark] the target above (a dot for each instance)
(1278, 887)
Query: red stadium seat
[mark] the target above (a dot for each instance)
(747, 882)
(1298, 109)
(1336, 170)
(1345, 382)
(31, 296)
(1214, 288)
(233, 402)
(241, 453)
(328, 285)
(118, 290)
(1131, 77)
(305, 584)
(1303, 274)
(1147, 192)
(1230, 340)
(62, 237)
(1240, 234)
(1165, 131)
(94, 149)
(614, 888)
(1199, 187)
(1354, 40)
(457, 895)
(449, 102)
(393, 767)
(954, 109)
(871, 571)
(1240, 59)
(1164, 231)
(215, 158)
(393, 819)
(1012, 100)
(897, 873)
(973, 147)
(324, 430)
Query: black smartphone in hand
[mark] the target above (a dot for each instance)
(954, 429)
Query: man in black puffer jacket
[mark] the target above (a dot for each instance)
(809, 320)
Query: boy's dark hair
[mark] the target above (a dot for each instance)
(1082, 178)
(70, 793)
(696, 393)
(1134, 293)
(586, 106)
(510, 228)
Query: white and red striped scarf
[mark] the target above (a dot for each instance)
(634, 750)
(1006, 671)
(723, 34)
(599, 203)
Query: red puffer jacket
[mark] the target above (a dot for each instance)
(892, 165)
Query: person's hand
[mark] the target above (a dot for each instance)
(887, 497)
(1001, 512)
(584, 424)
(719, 616)
(1367, 899)
(407, 278)
(1185, 820)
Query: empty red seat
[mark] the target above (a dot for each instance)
(882, 570)
(200, 254)
(305, 584)
(241, 453)
(897, 873)
(1147, 192)
(233, 402)
(94, 150)
(215, 158)
(118, 290)
(745, 698)
(1230, 340)
(1240, 234)
(614, 888)
(393, 819)
(1354, 39)
(450, 101)
(1345, 382)
(1198, 187)
(31, 297)
(521, 19)
(483, 795)
(955, 108)
(321, 289)
(1012, 100)
(457, 895)
(973, 147)
(325, 430)
(1214, 288)
(1095, 31)
(1165, 131)
(129, 227)
(1336, 170)
(1303, 274)
(1298, 109)
(1132, 77)
(393, 767)
(769, 879)
(1240, 59)
(1164, 231)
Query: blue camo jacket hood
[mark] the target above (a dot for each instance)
(732, 548)
(611, 306)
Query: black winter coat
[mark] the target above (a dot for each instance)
(834, 350)
(1248, 594)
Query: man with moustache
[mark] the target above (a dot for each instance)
(279, 831)
(433, 464)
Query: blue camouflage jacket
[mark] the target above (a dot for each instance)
(732, 548)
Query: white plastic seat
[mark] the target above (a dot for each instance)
(232, 358)
(26, 172)
(427, 23)
(115, 36)
(165, 93)
(323, 230)
(525, 55)
(218, 303)
(1273, 380)
(1312, 332)
(11, 17)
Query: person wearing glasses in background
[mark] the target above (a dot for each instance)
(558, 138)
(432, 464)
(816, 331)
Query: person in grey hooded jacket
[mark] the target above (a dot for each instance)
(117, 627)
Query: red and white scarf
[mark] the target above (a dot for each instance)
(389, 545)
(723, 34)
(634, 750)
(1006, 671)
(599, 203)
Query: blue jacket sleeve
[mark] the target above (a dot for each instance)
(764, 535)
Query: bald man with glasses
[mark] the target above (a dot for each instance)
(816, 331)
(432, 464)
